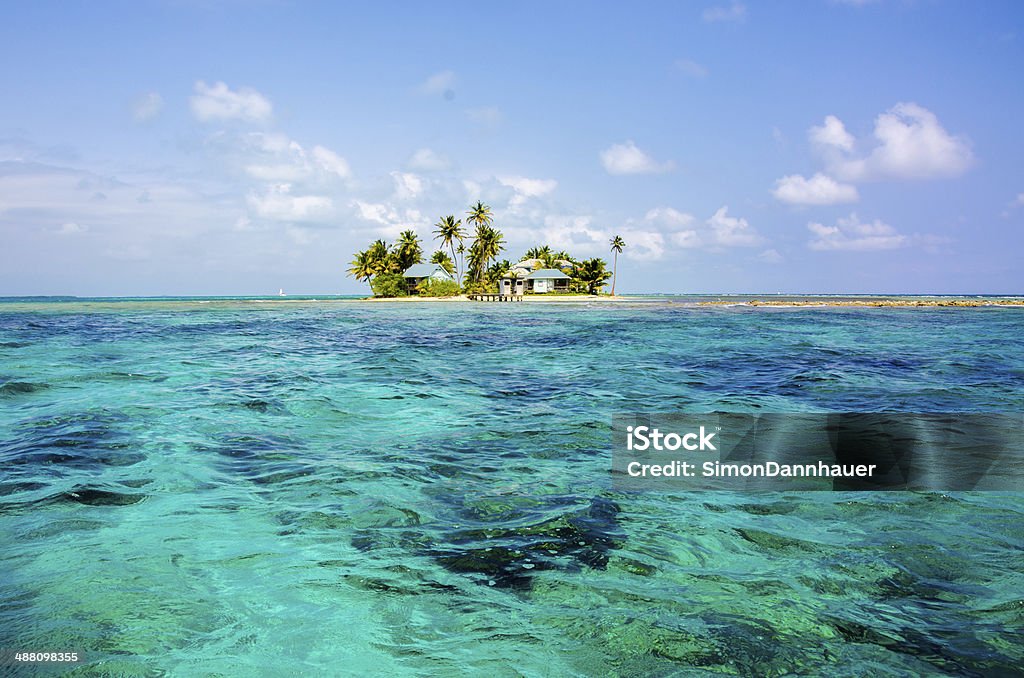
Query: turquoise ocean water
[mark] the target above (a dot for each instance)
(219, 487)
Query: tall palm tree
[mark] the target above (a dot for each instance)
(408, 249)
(480, 251)
(380, 259)
(617, 244)
(449, 230)
(480, 215)
(493, 244)
(361, 268)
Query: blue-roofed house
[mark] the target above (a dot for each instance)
(417, 273)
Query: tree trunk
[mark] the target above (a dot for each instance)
(615, 273)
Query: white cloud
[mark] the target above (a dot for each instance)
(526, 188)
(737, 11)
(219, 102)
(818, 190)
(732, 231)
(909, 143)
(626, 158)
(668, 216)
(277, 158)
(691, 68)
(427, 160)
(329, 161)
(278, 203)
(771, 256)
(147, 106)
(438, 83)
(390, 219)
(851, 234)
(832, 134)
(1019, 201)
(407, 185)
(678, 229)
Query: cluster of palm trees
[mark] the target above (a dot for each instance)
(473, 265)
(486, 244)
(468, 263)
(380, 257)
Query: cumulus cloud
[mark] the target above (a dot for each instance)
(277, 158)
(626, 158)
(526, 188)
(438, 83)
(691, 68)
(278, 203)
(667, 227)
(732, 231)
(427, 160)
(818, 190)
(147, 106)
(832, 134)
(329, 161)
(851, 234)
(669, 216)
(390, 220)
(737, 11)
(219, 102)
(770, 256)
(407, 185)
(578, 234)
(909, 143)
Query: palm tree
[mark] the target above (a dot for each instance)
(408, 249)
(449, 230)
(380, 259)
(441, 258)
(361, 268)
(485, 246)
(493, 244)
(592, 274)
(617, 244)
(480, 215)
(496, 271)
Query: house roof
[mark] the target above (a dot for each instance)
(425, 271)
(547, 273)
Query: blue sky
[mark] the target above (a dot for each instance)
(237, 148)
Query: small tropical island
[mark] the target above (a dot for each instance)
(466, 266)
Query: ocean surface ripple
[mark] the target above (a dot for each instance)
(399, 489)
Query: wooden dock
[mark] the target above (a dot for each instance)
(495, 297)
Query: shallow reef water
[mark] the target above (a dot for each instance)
(415, 489)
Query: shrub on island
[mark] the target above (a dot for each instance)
(432, 287)
(389, 285)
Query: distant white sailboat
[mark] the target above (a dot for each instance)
(281, 293)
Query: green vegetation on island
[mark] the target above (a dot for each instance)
(466, 262)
